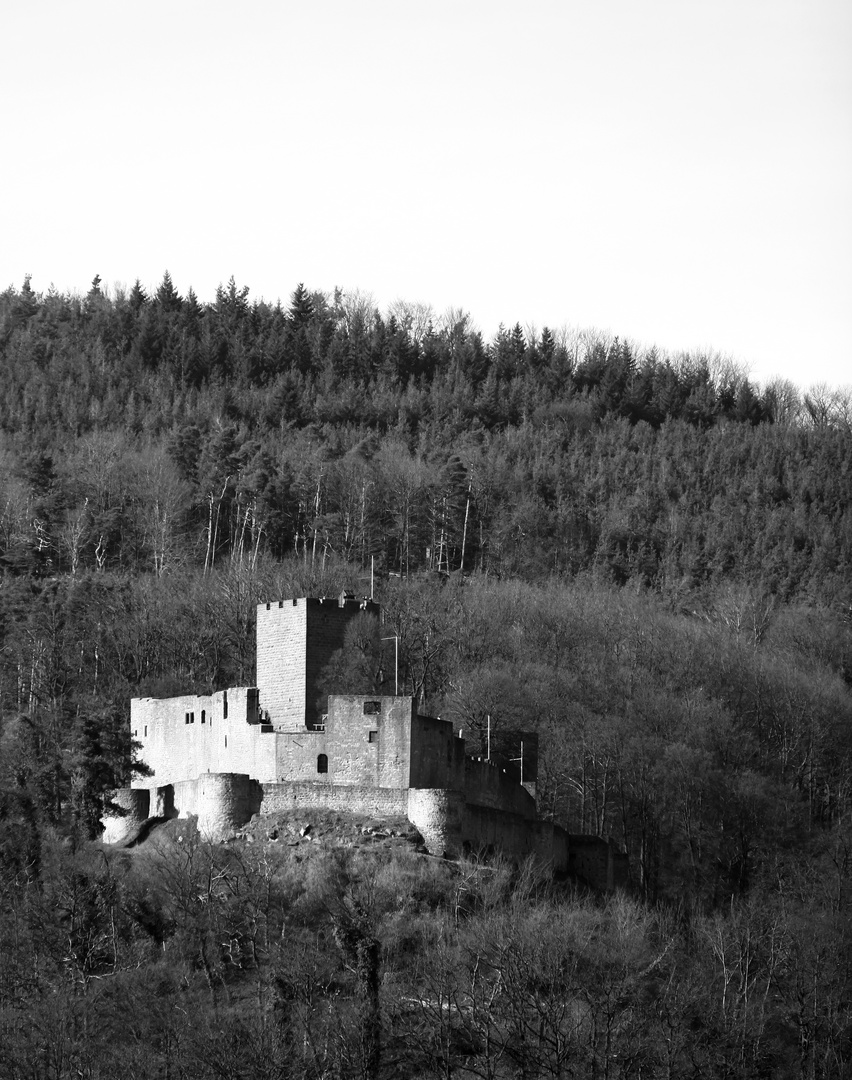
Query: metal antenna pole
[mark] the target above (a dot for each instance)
(521, 759)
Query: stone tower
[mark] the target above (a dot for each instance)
(295, 642)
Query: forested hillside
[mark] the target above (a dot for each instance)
(643, 558)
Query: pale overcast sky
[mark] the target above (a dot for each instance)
(678, 172)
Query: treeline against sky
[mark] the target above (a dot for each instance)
(147, 432)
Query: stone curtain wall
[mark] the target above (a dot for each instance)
(177, 750)
(296, 756)
(439, 815)
(437, 755)
(451, 826)
(552, 845)
(376, 801)
(222, 802)
(487, 785)
(352, 757)
(596, 861)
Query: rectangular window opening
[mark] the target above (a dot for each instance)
(371, 708)
(373, 736)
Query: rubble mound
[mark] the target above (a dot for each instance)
(318, 828)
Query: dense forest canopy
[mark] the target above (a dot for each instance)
(643, 558)
(150, 432)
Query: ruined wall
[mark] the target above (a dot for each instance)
(183, 738)
(369, 740)
(495, 830)
(222, 802)
(450, 826)
(551, 845)
(437, 754)
(487, 785)
(136, 804)
(597, 862)
(295, 641)
(296, 756)
(388, 802)
(439, 815)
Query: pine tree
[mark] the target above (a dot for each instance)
(138, 297)
(299, 319)
(302, 307)
(167, 296)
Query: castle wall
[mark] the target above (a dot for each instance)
(136, 804)
(296, 755)
(381, 802)
(437, 755)
(183, 738)
(487, 785)
(369, 740)
(495, 830)
(596, 861)
(439, 815)
(450, 825)
(551, 845)
(223, 802)
(296, 639)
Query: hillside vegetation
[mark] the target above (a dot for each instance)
(644, 559)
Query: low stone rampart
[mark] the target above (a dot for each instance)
(551, 845)
(449, 824)
(388, 802)
(495, 830)
(597, 862)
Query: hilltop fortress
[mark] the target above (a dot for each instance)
(278, 746)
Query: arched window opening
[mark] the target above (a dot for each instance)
(322, 763)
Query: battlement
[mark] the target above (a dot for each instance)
(346, 601)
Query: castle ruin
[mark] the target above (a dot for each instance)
(280, 745)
